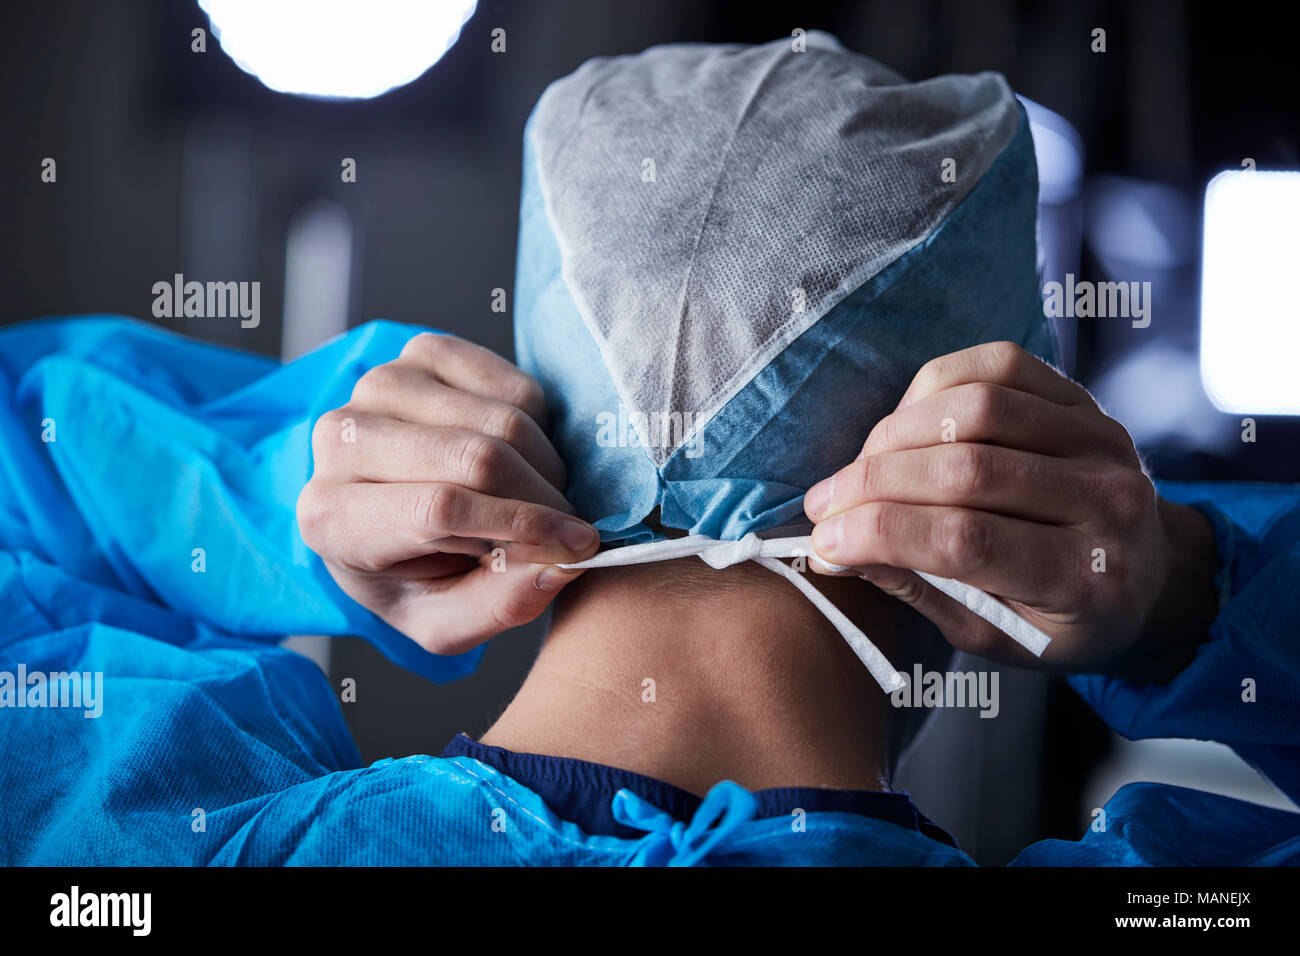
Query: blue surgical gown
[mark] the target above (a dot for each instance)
(147, 533)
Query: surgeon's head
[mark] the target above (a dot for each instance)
(732, 260)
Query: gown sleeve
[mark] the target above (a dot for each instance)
(1243, 686)
(1241, 689)
(148, 466)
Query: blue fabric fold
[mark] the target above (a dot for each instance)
(971, 280)
(1251, 647)
(161, 473)
(672, 843)
(216, 746)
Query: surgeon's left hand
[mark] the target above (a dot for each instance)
(998, 471)
(436, 500)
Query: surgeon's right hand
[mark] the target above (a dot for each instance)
(436, 497)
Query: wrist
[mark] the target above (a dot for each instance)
(1179, 618)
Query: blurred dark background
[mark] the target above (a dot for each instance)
(174, 161)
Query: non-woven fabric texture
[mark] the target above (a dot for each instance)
(120, 459)
(712, 203)
(142, 470)
(733, 259)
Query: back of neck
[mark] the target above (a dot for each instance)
(692, 676)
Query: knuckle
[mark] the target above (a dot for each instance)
(426, 345)
(988, 407)
(375, 383)
(1004, 358)
(930, 374)
(310, 511)
(884, 436)
(965, 540)
(963, 470)
(864, 539)
(528, 526)
(1132, 496)
(508, 423)
(875, 521)
(325, 433)
(854, 483)
(437, 510)
(481, 460)
(523, 392)
(1122, 440)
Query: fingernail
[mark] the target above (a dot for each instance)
(818, 498)
(552, 579)
(826, 536)
(577, 536)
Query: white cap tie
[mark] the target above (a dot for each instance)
(765, 551)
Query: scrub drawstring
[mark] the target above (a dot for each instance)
(767, 551)
(670, 842)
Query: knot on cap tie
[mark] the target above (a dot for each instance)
(767, 552)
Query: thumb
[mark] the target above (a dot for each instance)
(480, 605)
(521, 594)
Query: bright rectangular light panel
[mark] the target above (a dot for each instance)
(1250, 293)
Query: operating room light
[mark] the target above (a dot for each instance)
(337, 49)
(1250, 308)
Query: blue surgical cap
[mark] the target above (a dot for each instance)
(733, 259)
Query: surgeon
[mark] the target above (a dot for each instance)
(821, 279)
(971, 459)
